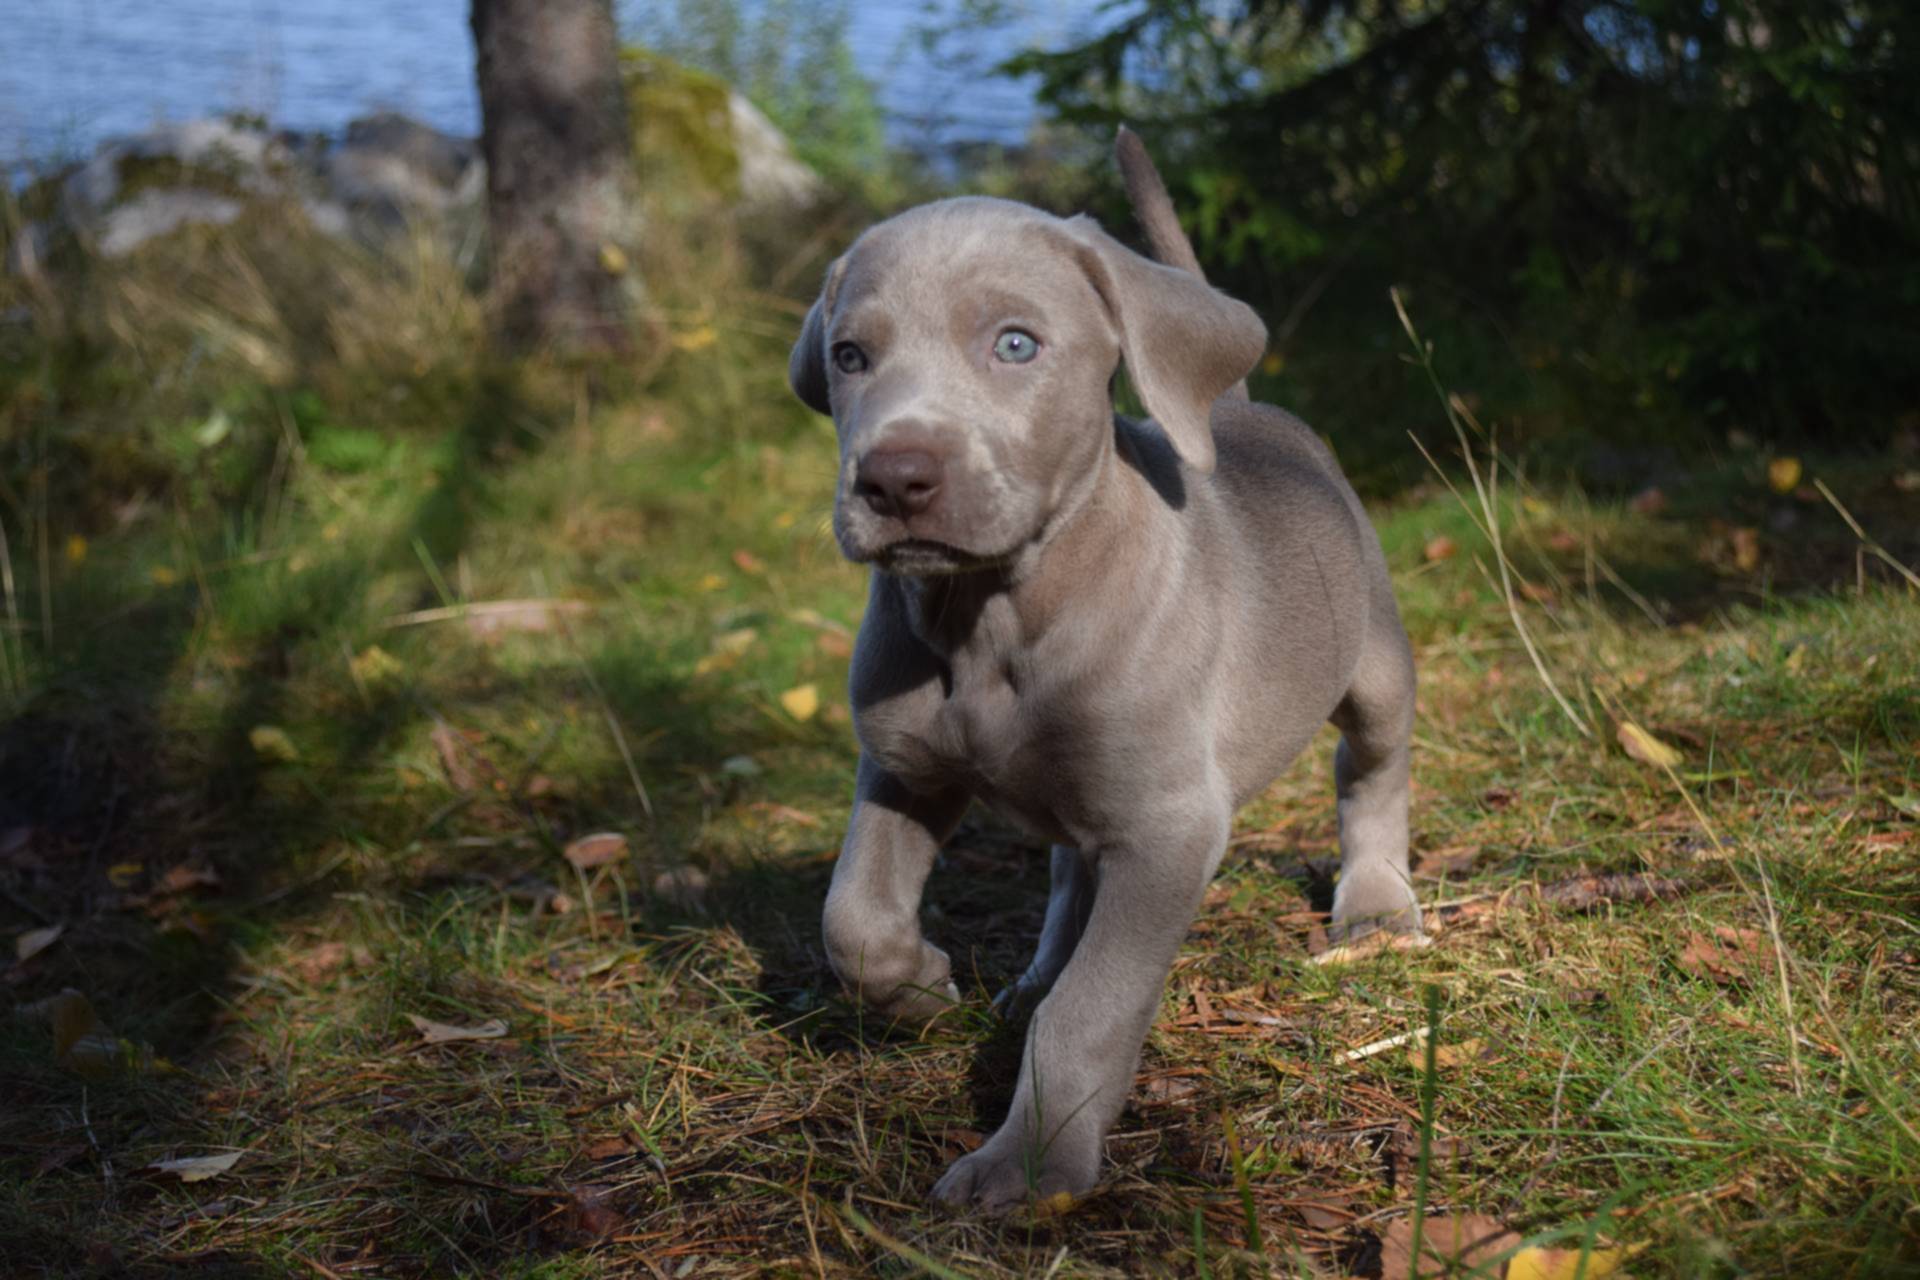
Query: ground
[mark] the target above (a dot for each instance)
(283, 789)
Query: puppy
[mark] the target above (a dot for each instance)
(1113, 631)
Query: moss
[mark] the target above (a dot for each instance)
(682, 127)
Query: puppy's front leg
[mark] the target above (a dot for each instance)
(1085, 1037)
(872, 922)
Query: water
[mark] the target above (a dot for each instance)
(73, 72)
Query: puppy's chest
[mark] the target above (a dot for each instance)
(981, 726)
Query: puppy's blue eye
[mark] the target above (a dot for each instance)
(849, 358)
(1015, 346)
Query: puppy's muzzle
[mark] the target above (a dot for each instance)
(898, 482)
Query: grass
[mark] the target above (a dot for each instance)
(681, 1089)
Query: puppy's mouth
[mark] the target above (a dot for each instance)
(923, 558)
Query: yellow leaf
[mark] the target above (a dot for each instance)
(1646, 748)
(613, 259)
(1783, 474)
(785, 520)
(1273, 364)
(1564, 1264)
(122, 874)
(712, 582)
(270, 742)
(76, 550)
(163, 576)
(696, 339)
(801, 701)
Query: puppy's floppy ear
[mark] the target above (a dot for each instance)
(1184, 342)
(807, 366)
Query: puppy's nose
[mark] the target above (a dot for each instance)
(899, 482)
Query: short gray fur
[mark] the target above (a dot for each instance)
(1113, 631)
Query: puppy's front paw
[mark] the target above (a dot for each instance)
(1007, 1172)
(1371, 898)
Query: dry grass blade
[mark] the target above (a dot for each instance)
(1487, 519)
(1913, 579)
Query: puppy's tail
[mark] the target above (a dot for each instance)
(1154, 208)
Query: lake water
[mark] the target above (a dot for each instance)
(75, 71)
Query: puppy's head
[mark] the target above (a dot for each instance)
(965, 350)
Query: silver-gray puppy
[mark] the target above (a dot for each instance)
(1113, 631)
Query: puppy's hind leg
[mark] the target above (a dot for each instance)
(1371, 773)
(1069, 902)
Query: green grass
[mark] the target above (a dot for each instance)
(682, 1089)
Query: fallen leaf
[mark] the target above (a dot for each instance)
(963, 1139)
(1646, 748)
(183, 877)
(76, 550)
(833, 644)
(1447, 1054)
(1783, 474)
(1439, 548)
(1324, 1215)
(588, 1215)
(1449, 1246)
(1746, 549)
(122, 874)
(197, 1168)
(1727, 955)
(609, 1148)
(432, 1032)
(271, 743)
(613, 259)
(1650, 501)
(801, 701)
(696, 339)
(1907, 803)
(1562, 541)
(747, 562)
(596, 850)
(34, 941)
(712, 582)
(1534, 1263)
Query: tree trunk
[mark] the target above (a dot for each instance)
(561, 189)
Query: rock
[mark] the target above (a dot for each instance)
(135, 188)
(771, 176)
(221, 154)
(392, 167)
(155, 213)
